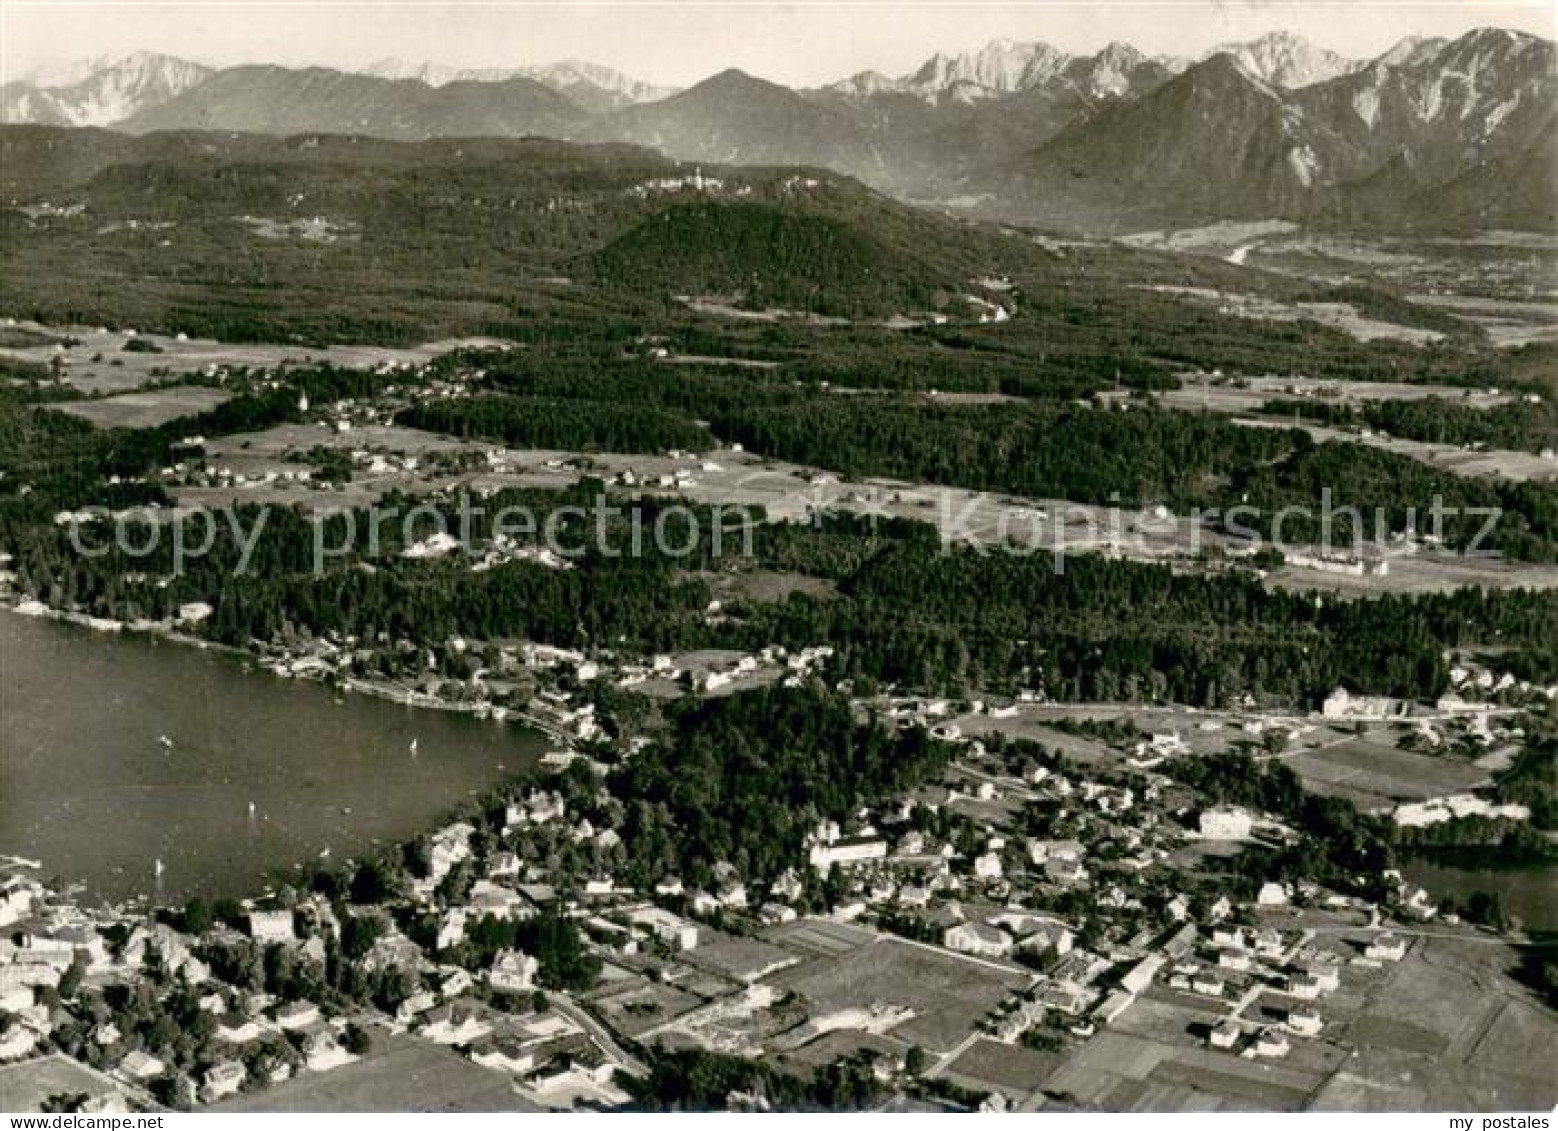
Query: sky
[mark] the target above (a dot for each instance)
(678, 43)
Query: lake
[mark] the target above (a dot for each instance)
(120, 751)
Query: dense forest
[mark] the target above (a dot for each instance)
(1522, 425)
(1132, 455)
(741, 780)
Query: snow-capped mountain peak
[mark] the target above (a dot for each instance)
(1287, 60)
(1003, 66)
(109, 91)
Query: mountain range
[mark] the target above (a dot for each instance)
(1433, 132)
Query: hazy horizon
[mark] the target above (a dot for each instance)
(801, 44)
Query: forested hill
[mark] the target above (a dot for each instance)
(764, 257)
(327, 238)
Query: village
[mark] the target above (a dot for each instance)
(1057, 920)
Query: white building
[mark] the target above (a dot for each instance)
(977, 938)
(513, 972)
(672, 930)
(271, 927)
(1225, 822)
(846, 850)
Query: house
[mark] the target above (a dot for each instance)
(670, 929)
(1386, 947)
(504, 1054)
(297, 1015)
(138, 1067)
(1272, 894)
(773, 913)
(1067, 997)
(1305, 987)
(451, 929)
(1034, 933)
(271, 927)
(539, 808)
(454, 981)
(1140, 976)
(322, 1051)
(1304, 1021)
(988, 866)
(16, 1042)
(454, 1024)
(1268, 943)
(977, 938)
(1220, 909)
(1065, 871)
(845, 851)
(237, 1030)
(1209, 984)
(1272, 1042)
(1232, 938)
(1225, 1036)
(1341, 704)
(488, 898)
(222, 1080)
(415, 1005)
(1225, 822)
(1327, 975)
(1233, 960)
(27, 974)
(17, 898)
(449, 847)
(513, 972)
(1040, 851)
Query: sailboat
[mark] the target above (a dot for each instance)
(413, 747)
(158, 867)
(167, 743)
(251, 810)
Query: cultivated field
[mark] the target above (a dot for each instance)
(146, 409)
(400, 1074)
(1446, 1029)
(94, 358)
(26, 1084)
(947, 992)
(1374, 775)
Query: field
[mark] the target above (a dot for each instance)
(1506, 323)
(1372, 774)
(146, 409)
(1251, 393)
(401, 1074)
(1491, 463)
(1447, 1030)
(947, 992)
(94, 359)
(1337, 315)
(25, 1085)
(990, 1066)
(636, 1005)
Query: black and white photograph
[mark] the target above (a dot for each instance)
(878, 558)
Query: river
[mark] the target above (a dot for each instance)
(117, 752)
